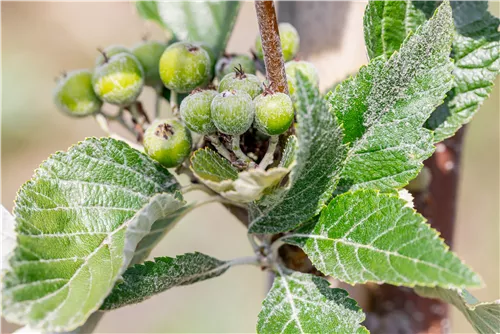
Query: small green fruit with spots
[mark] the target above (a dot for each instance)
(168, 142)
(211, 55)
(149, 53)
(307, 68)
(242, 82)
(184, 67)
(290, 42)
(226, 65)
(273, 113)
(232, 112)
(196, 113)
(109, 52)
(74, 94)
(119, 80)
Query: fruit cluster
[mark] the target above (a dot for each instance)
(241, 102)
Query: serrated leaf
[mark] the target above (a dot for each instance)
(383, 108)
(142, 281)
(210, 22)
(366, 236)
(290, 152)
(476, 51)
(386, 25)
(484, 317)
(303, 303)
(319, 161)
(209, 165)
(8, 237)
(219, 175)
(79, 221)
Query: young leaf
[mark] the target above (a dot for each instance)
(383, 108)
(484, 317)
(142, 281)
(366, 236)
(476, 51)
(209, 165)
(148, 10)
(303, 303)
(290, 152)
(200, 21)
(386, 25)
(79, 221)
(318, 165)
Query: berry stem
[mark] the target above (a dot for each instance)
(173, 101)
(235, 146)
(219, 147)
(271, 45)
(269, 156)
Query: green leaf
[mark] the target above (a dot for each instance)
(290, 152)
(476, 51)
(320, 156)
(383, 108)
(386, 25)
(142, 281)
(79, 221)
(484, 317)
(303, 303)
(210, 22)
(148, 10)
(209, 165)
(366, 236)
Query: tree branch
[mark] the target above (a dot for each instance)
(271, 45)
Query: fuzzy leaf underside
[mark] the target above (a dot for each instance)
(313, 178)
(484, 317)
(383, 108)
(303, 303)
(476, 51)
(142, 281)
(209, 165)
(78, 222)
(367, 236)
(210, 22)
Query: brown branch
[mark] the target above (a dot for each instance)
(271, 45)
(398, 309)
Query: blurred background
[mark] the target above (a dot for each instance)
(39, 40)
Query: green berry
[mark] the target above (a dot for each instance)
(168, 142)
(119, 80)
(211, 55)
(290, 42)
(196, 113)
(242, 82)
(184, 67)
(149, 53)
(226, 65)
(74, 94)
(232, 112)
(110, 51)
(273, 113)
(307, 68)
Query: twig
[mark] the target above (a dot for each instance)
(196, 186)
(104, 125)
(235, 146)
(219, 147)
(249, 260)
(271, 45)
(269, 156)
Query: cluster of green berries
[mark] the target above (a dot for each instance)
(118, 78)
(239, 103)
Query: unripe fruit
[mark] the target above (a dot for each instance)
(110, 51)
(119, 80)
(184, 67)
(242, 82)
(232, 112)
(149, 53)
(307, 68)
(226, 65)
(74, 94)
(196, 113)
(168, 142)
(273, 113)
(289, 38)
(211, 55)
